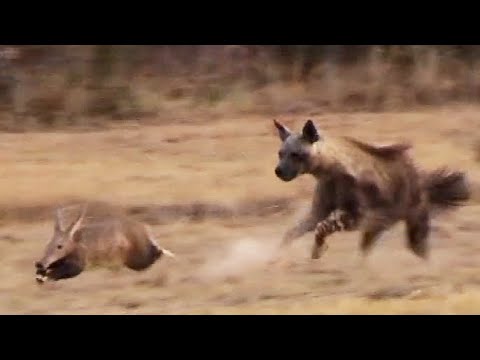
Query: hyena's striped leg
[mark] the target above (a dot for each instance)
(338, 220)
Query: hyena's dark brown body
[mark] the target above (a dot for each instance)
(365, 187)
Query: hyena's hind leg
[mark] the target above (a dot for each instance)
(373, 227)
(369, 239)
(418, 230)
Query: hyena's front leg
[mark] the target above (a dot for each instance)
(297, 231)
(322, 205)
(338, 220)
(345, 215)
(301, 228)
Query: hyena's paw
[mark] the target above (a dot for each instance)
(318, 251)
(279, 261)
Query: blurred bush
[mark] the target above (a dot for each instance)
(49, 86)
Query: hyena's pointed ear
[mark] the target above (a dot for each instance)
(310, 132)
(283, 131)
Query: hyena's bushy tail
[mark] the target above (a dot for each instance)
(446, 189)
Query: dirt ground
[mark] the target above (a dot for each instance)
(222, 257)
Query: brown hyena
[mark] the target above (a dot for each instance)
(364, 187)
(99, 233)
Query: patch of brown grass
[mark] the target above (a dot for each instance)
(160, 214)
(210, 192)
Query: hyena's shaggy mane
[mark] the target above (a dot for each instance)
(363, 162)
(387, 152)
(388, 173)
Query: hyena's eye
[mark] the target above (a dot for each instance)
(59, 247)
(296, 156)
(280, 154)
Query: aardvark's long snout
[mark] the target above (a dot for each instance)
(41, 273)
(43, 267)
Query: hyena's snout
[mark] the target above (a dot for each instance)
(284, 173)
(281, 173)
(278, 171)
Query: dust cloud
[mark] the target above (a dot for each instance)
(238, 258)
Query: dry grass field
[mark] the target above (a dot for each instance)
(209, 190)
